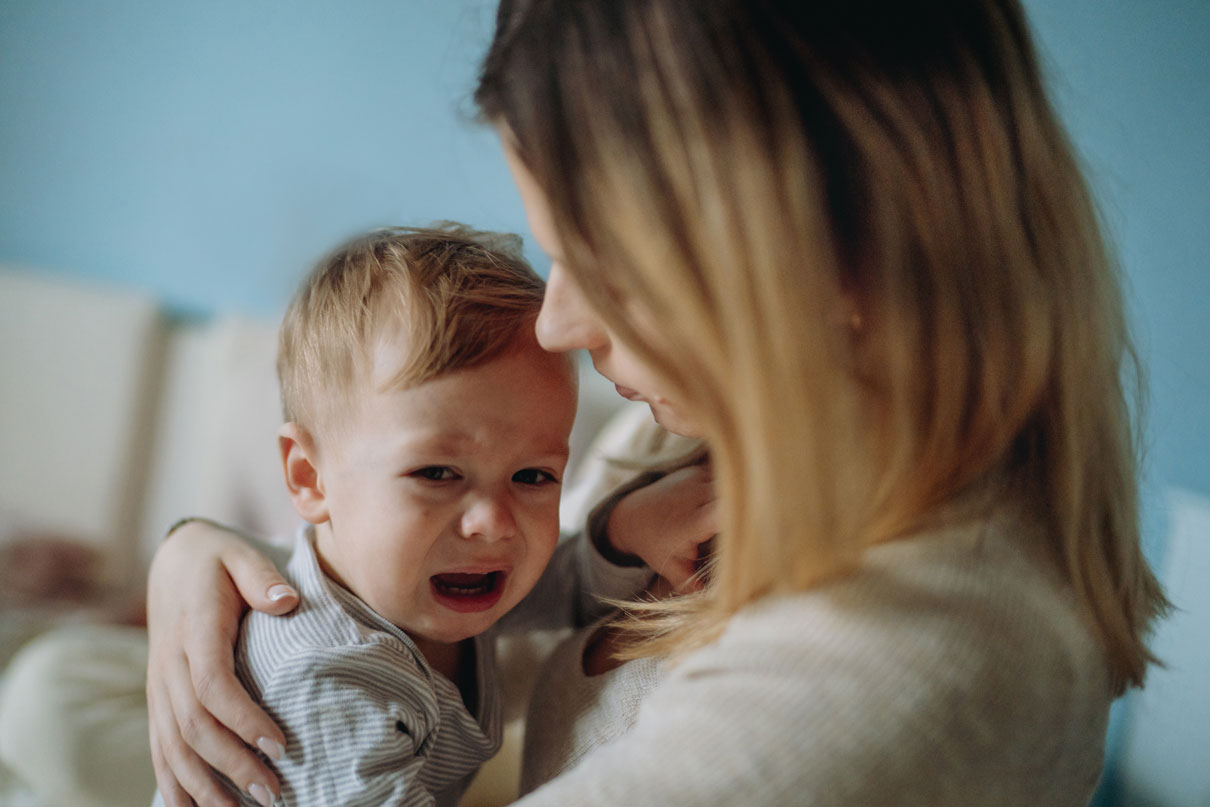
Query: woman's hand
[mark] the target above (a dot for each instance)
(667, 524)
(201, 581)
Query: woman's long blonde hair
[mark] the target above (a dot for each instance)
(877, 271)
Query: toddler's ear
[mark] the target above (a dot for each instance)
(300, 466)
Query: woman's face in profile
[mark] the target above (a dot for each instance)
(569, 322)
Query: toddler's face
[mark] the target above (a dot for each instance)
(444, 498)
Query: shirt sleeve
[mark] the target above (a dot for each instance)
(359, 724)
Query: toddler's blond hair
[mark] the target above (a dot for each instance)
(454, 297)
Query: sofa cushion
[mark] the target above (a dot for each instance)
(79, 366)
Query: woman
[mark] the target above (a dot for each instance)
(849, 246)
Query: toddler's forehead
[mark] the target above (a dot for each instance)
(390, 350)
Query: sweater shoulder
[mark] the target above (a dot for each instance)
(955, 598)
(960, 649)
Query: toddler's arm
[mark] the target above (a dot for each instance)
(360, 722)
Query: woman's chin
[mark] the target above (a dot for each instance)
(673, 421)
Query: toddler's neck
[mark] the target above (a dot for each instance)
(456, 662)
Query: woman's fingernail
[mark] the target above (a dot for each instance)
(262, 794)
(280, 592)
(272, 748)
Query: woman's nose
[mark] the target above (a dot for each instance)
(489, 518)
(567, 321)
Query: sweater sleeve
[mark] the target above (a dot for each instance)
(359, 723)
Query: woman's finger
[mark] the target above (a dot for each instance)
(209, 648)
(678, 569)
(178, 771)
(258, 580)
(194, 742)
(201, 715)
(705, 520)
(170, 792)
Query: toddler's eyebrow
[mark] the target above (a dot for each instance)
(560, 452)
(439, 444)
(448, 444)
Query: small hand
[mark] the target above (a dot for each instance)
(667, 524)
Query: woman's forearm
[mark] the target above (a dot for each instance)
(202, 579)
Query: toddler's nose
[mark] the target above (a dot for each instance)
(489, 518)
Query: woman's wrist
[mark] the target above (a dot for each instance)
(181, 522)
(208, 526)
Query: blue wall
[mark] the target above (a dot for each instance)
(1133, 80)
(210, 152)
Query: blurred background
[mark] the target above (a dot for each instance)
(197, 158)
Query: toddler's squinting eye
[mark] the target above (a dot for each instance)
(534, 476)
(435, 473)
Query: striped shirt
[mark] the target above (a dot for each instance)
(332, 674)
(367, 720)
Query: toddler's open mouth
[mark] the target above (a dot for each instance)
(467, 592)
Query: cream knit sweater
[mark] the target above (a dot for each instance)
(951, 669)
